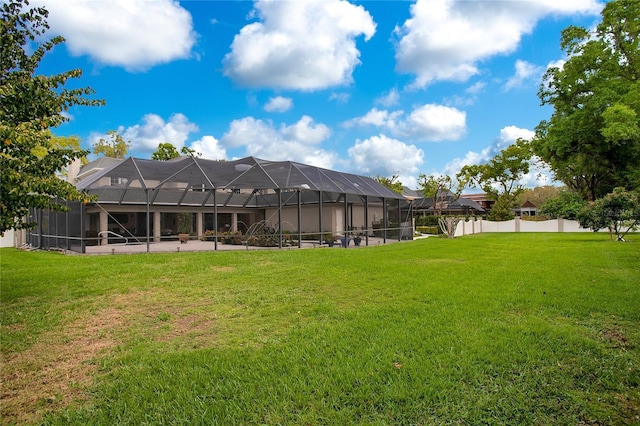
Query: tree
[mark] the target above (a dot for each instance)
(619, 211)
(567, 205)
(30, 105)
(592, 140)
(165, 152)
(538, 195)
(438, 189)
(392, 183)
(114, 147)
(62, 142)
(191, 152)
(500, 177)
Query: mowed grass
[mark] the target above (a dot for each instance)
(485, 329)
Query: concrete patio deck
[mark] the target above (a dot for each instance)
(197, 245)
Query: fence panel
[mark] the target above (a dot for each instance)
(517, 225)
(539, 226)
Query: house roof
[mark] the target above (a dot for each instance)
(190, 178)
(426, 203)
(97, 166)
(411, 194)
(467, 202)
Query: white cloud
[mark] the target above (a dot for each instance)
(305, 45)
(297, 142)
(470, 95)
(566, 7)
(340, 97)
(155, 130)
(376, 117)
(306, 131)
(134, 34)
(510, 134)
(428, 122)
(526, 74)
(279, 104)
(384, 156)
(445, 39)
(320, 158)
(435, 123)
(557, 64)
(389, 99)
(210, 148)
(476, 88)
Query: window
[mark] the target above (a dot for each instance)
(118, 181)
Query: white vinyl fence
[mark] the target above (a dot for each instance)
(476, 226)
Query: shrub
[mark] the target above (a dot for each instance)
(427, 220)
(566, 205)
(434, 230)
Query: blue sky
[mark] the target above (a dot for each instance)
(368, 87)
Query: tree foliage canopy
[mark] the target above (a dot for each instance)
(538, 195)
(619, 211)
(500, 177)
(438, 188)
(30, 105)
(115, 146)
(592, 140)
(392, 183)
(502, 174)
(165, 152)
(567, 205)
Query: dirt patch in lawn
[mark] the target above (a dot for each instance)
(59, 369)
(193, 331)
(614, 336)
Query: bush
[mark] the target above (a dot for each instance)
(619, 211)
(502, 209)
(208, 235)
(231, 237)
(427, 220)
(567, 205)
(434, 230)
(534, 218)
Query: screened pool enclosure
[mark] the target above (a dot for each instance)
(247, 201)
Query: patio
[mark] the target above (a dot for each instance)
(197, 245)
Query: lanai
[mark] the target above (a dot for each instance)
(284, 192)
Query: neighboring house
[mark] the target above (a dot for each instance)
(143, 200)
(528, 208)
(76, 174)
(484, 200)
(411, 194)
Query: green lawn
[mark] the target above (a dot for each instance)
(485, 329)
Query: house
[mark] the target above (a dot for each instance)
(142, 200)
(411, 194)
(484, 200)
(528, 208)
